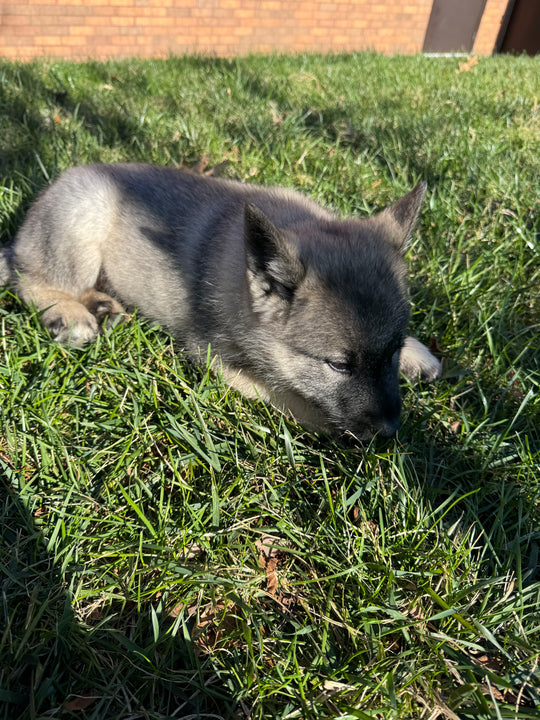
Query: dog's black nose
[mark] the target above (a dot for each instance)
(384, 425)
(365, 431)
(388, 428)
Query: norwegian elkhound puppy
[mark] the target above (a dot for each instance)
(303, 309)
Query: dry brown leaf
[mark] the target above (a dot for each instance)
(217, 170)
(268, 547)
(277, 116)
(271, 576)
(216, 621)
(488, 661)
(209, 613)
(330, 688)
(467, 64)
(201, 167)
(80, 702)
(176, 610)
(288, 602)
(493, 691)
(190, 552)
(268, 559)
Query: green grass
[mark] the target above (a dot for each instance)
(171, 550)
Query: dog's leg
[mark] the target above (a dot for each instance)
(242, 382)
(416, 362)
(66, 319)
(102, 306)
(70, 319)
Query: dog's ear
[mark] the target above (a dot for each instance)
(273, 265)
(399, 220)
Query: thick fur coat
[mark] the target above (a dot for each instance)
(303, 309)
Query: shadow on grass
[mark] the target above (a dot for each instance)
(33, 130)
(52, 664)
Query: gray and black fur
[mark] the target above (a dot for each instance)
(306, 310)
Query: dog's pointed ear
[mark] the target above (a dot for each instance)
(272, 260)
(400, 218)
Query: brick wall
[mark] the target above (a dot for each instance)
(81, 29)
(490, 25)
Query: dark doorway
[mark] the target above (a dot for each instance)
(453, 25)
(522, 32)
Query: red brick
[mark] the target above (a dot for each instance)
(155, 27)
(18, 41)
(243, 31)
(153, 21)
(98, 21)
(244, 12)
(82, 30)
(46, 40)
(119, 21)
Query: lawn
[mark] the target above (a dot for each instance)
(172, 550)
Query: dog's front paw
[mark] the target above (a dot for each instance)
(417, 363)
(73, 329)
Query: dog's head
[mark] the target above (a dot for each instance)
(331, 304)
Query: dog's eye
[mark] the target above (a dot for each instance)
(339, 366)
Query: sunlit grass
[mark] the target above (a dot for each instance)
(170, 549)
